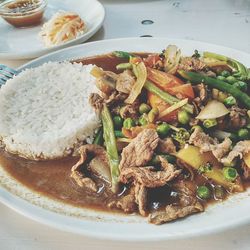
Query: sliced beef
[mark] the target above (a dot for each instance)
(207, 143)
(201, 93)
(127, 203)
(188, 204)
(130, 110)
(141, 198)
(115, 98)
(191, 64)
(77, 172)
(148, 176)
(125, 82)
(140, 150)
(238, 117)
(166, 146)
(239, 150)
(246, 171)
(173, 212)
(96, 101)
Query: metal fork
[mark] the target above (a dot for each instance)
(6, 73)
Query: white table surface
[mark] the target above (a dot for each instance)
(224, 22)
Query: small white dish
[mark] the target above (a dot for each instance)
(24, 43)
(217, 217)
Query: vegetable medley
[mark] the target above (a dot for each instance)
(173, 126)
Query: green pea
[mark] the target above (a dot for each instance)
(240, 85)
(163, 129)
(203, 192)
(231, 79)
(229, 173)
(129, 123)
(183, 117)
(229, 101)
(209, 123)
(225, 73)
(144, 108)
(243, 133)
(222, 78)
(118, 121)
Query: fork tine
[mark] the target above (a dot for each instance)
(5, 73)
(2, 82)
(4, 78)
(6, 68)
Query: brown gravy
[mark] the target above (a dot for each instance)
(52, 178)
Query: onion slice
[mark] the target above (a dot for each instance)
(214, 109)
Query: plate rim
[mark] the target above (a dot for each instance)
(45, 51)
(136, 238)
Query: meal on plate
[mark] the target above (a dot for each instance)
(61, 28)
(159, 134)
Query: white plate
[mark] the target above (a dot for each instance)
(218, 217)
(16, 43)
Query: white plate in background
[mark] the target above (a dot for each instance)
(24, 43)
(217, 217)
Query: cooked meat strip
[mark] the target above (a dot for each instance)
(115, 97)
(191, 64)
(207, 143)
(107, 82)
(173, 212)
(148, 177)
(238, 117)
(125, 82)
(126, 203)
(96, 101)
(140, 150)
(166, 146)
(76, 172)
(141, 198)
(201, 93)
(130, 110)
(239, 150)
(188, 204)
(246, 171)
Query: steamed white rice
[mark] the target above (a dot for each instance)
(45, 111)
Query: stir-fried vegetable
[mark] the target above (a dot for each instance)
(110, 141)
(218, 84)
(138, 85)
(165, 96)
(203, 192)
(99, 137)
(237, 66)
(122, 66)
(172, 58)
(191, 155)
(214, 109)
(174, 107)
(122, 54)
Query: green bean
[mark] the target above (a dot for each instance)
(165, 96)
(218, 84)
(99, 137)
(122, 54)
(123, 66)
(110, 141)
